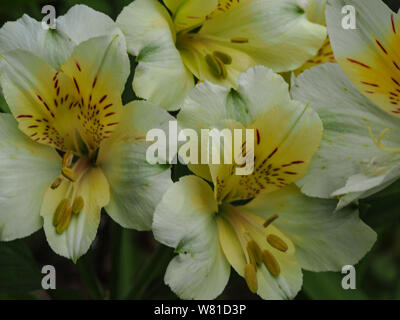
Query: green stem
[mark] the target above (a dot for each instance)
(154, 268)
(89, 278)
(126, 258)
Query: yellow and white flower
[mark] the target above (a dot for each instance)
(278, 231)
(70, 148)
(360, 151)
(213, 40)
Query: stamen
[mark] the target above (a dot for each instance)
(213, 65)
(270, 220)
(239, 40)
(271, 263)
(251, 277)
(65, 219)
(224, 73)
(67, 159)
(69, 174)
(78, 205)
(255, 253)
(56, 183)
(59, 211)
(378, 142)
(277, 243)
(224, 57)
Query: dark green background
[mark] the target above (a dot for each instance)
(129, 264)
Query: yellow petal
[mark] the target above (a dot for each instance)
(192, 13)
(99, 80)
(285, 140)
(40, 99)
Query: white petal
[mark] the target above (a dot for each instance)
(324, 240)
(347, 148)
(75, 241)
(160, 75)
(26, 170)
(136, 185)
(185, 220)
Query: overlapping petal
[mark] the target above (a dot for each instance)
(26, 171)
(323, 240)
(369, 54)
(347, 148)
(160, 75)
(185, 220)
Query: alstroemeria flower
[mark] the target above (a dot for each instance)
(213, 40)
(360, 151)
(70, 148)
(315, 10)
(279, 231)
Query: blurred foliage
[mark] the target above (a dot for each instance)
(125, 264)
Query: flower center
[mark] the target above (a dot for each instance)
(248, 231)
(72, 173)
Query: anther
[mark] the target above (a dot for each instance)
(65, 219)
(270, 220)
(224, 57)
(255, 253)
(251, 277)
(78, 205)
(277, 243)
(239, 40)
(213, 65)
(59, 211)
(67, 159)
(56, 183)
(271, 263)
(69, 174)
(224, 73)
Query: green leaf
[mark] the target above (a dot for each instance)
(18, 269)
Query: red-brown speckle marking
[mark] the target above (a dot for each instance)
(370, 84)
(359, 63)
(103, 98)
(76, 85)
(381, 46)
(393, 25)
